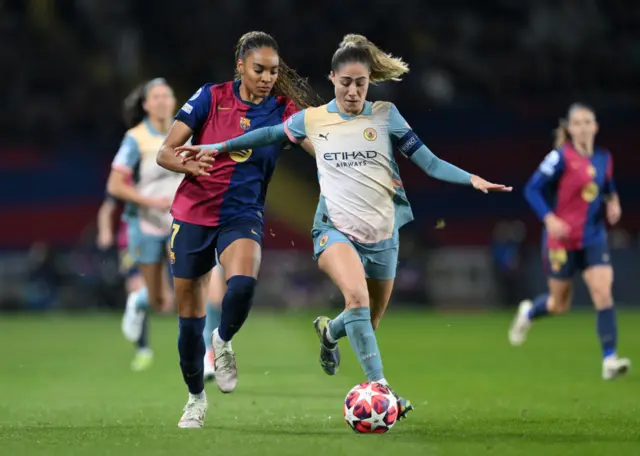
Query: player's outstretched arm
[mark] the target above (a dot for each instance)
(205, 153)
(445, 171)
(293, 129)
(410, 145)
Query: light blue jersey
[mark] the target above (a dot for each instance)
(147, 228)
(362, 199)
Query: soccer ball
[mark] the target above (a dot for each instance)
(370, 408)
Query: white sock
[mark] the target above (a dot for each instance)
(197, 397)
(218, 338)
(383, 381)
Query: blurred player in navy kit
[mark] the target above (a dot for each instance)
(567, 193)
(219, 210)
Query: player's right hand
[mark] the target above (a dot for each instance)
(556, 227)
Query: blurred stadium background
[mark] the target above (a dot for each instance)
(489, 81)
(487, 86)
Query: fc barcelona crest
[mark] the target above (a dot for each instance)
(245, 123)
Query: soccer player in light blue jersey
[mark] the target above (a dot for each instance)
(362, 202)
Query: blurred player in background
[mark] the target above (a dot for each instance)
(147, 191)
(567, 193)
(148, 110)
(219, 208)
(362, 203)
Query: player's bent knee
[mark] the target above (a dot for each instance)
(241, 288)
(559, 304)
(354, 299)
(602, 299)
(190, 299)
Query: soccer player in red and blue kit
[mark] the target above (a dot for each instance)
(568, 192)
(219, 211)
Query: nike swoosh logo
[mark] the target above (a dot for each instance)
(220, 108)
(254, 232)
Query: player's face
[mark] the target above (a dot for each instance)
(351, 83)
(160, 103)
(259, 71)
(582, 126)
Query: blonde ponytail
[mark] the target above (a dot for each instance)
(561, 134)
(383, 66)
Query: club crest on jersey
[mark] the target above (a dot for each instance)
(245, 123)
(590, 192)
(370, 134)
(323, 240)
(240, 156)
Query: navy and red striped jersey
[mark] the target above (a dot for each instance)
(237, 185)
(572, 185)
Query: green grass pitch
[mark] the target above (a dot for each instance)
(66, 389)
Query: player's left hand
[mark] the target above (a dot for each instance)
(614, 211)
(486, 186)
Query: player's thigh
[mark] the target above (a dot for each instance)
(192, 256)
(217, 286)
(598, 275)
(379, 296)
(149, 254)
(380, 270)
(338, 258)
(239, 248)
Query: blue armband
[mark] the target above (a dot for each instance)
(409, 144)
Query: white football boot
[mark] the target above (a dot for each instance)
(194, 412)
(132, 319)
(521, 324)
(613, 367)
(224, 364)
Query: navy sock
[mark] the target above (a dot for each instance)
(539, 308)
(236, 305)
(192, 350)
(607, 331)
(143, 340)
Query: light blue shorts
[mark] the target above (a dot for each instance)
(145, 248)
(380, 260)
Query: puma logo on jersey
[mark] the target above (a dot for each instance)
(325, 136)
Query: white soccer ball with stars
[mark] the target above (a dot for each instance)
(370, 408)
